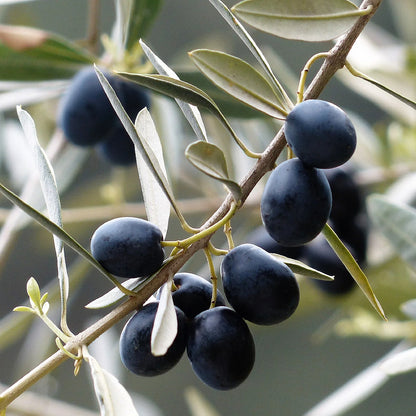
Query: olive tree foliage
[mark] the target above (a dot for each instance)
(223, 99)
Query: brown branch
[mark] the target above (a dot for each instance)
(334, 61)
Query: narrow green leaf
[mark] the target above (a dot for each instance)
(239, 79)
(190, 112)
(59, 232)
(176, 88)
(400, 363)
(198, 405)
(352, 266)
(112, 397)
(313, 21)
(142, 15)
(165, 326)
(397, 223)
(156, 203)
(254, 49)
(114, 295)
(23, 309)
(210, 159)
(52, 200)
(229, 106)
(409, 308)
(383, 87)
(140, 143)
(29, 54)
(298, 267)
(33, 292)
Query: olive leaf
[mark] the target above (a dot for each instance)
(165, 326)
(33, 292)
(238, 28)
(190, 112)
(53, 204)
(313, 21)
(142, 14)
(380, 85)
(409, 308)
(398, 224)
(156, 202)
(210, 159)
(198, 404)
(400, 363)
(298, 267)
(354, 269)
(185, 91)
(239, 79)
(29, 54)
(112, 397)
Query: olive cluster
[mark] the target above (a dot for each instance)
(87, 117)
(258, 287)
(218, 341)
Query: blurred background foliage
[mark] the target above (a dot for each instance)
(298, 362)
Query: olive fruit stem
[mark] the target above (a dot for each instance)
(304, 74)
(214, 278)
(204, 233)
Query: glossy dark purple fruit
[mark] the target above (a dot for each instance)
(86, 115)
(135, 348)
(193, 294)
(346, 195)
(259, 287)
(320, 134)
(261, 238)
(118, 148)
(128, 247)
(220, 348)
(319, 255)
(296, 203)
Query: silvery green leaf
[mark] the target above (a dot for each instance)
(210, 159)
(141, 17)
(298, 267)
(165, 326)
(356, 390)
(400, 363)
(240, 80)
(114, 295)
(33, 292)
(185, 91)
(122, 11)
(191, 112)
(353, 268)
(155, 200)
(25, 93)
(398, 224)
(51, 196)
(112, 397)
(140, 145)
(238, 28)
(313, 21)
(198, 404)
(409, 308)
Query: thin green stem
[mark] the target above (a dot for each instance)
(204, 233)
(214, 278)
(216, 251)
(60, 334)
(228, 234)
(304, 74)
